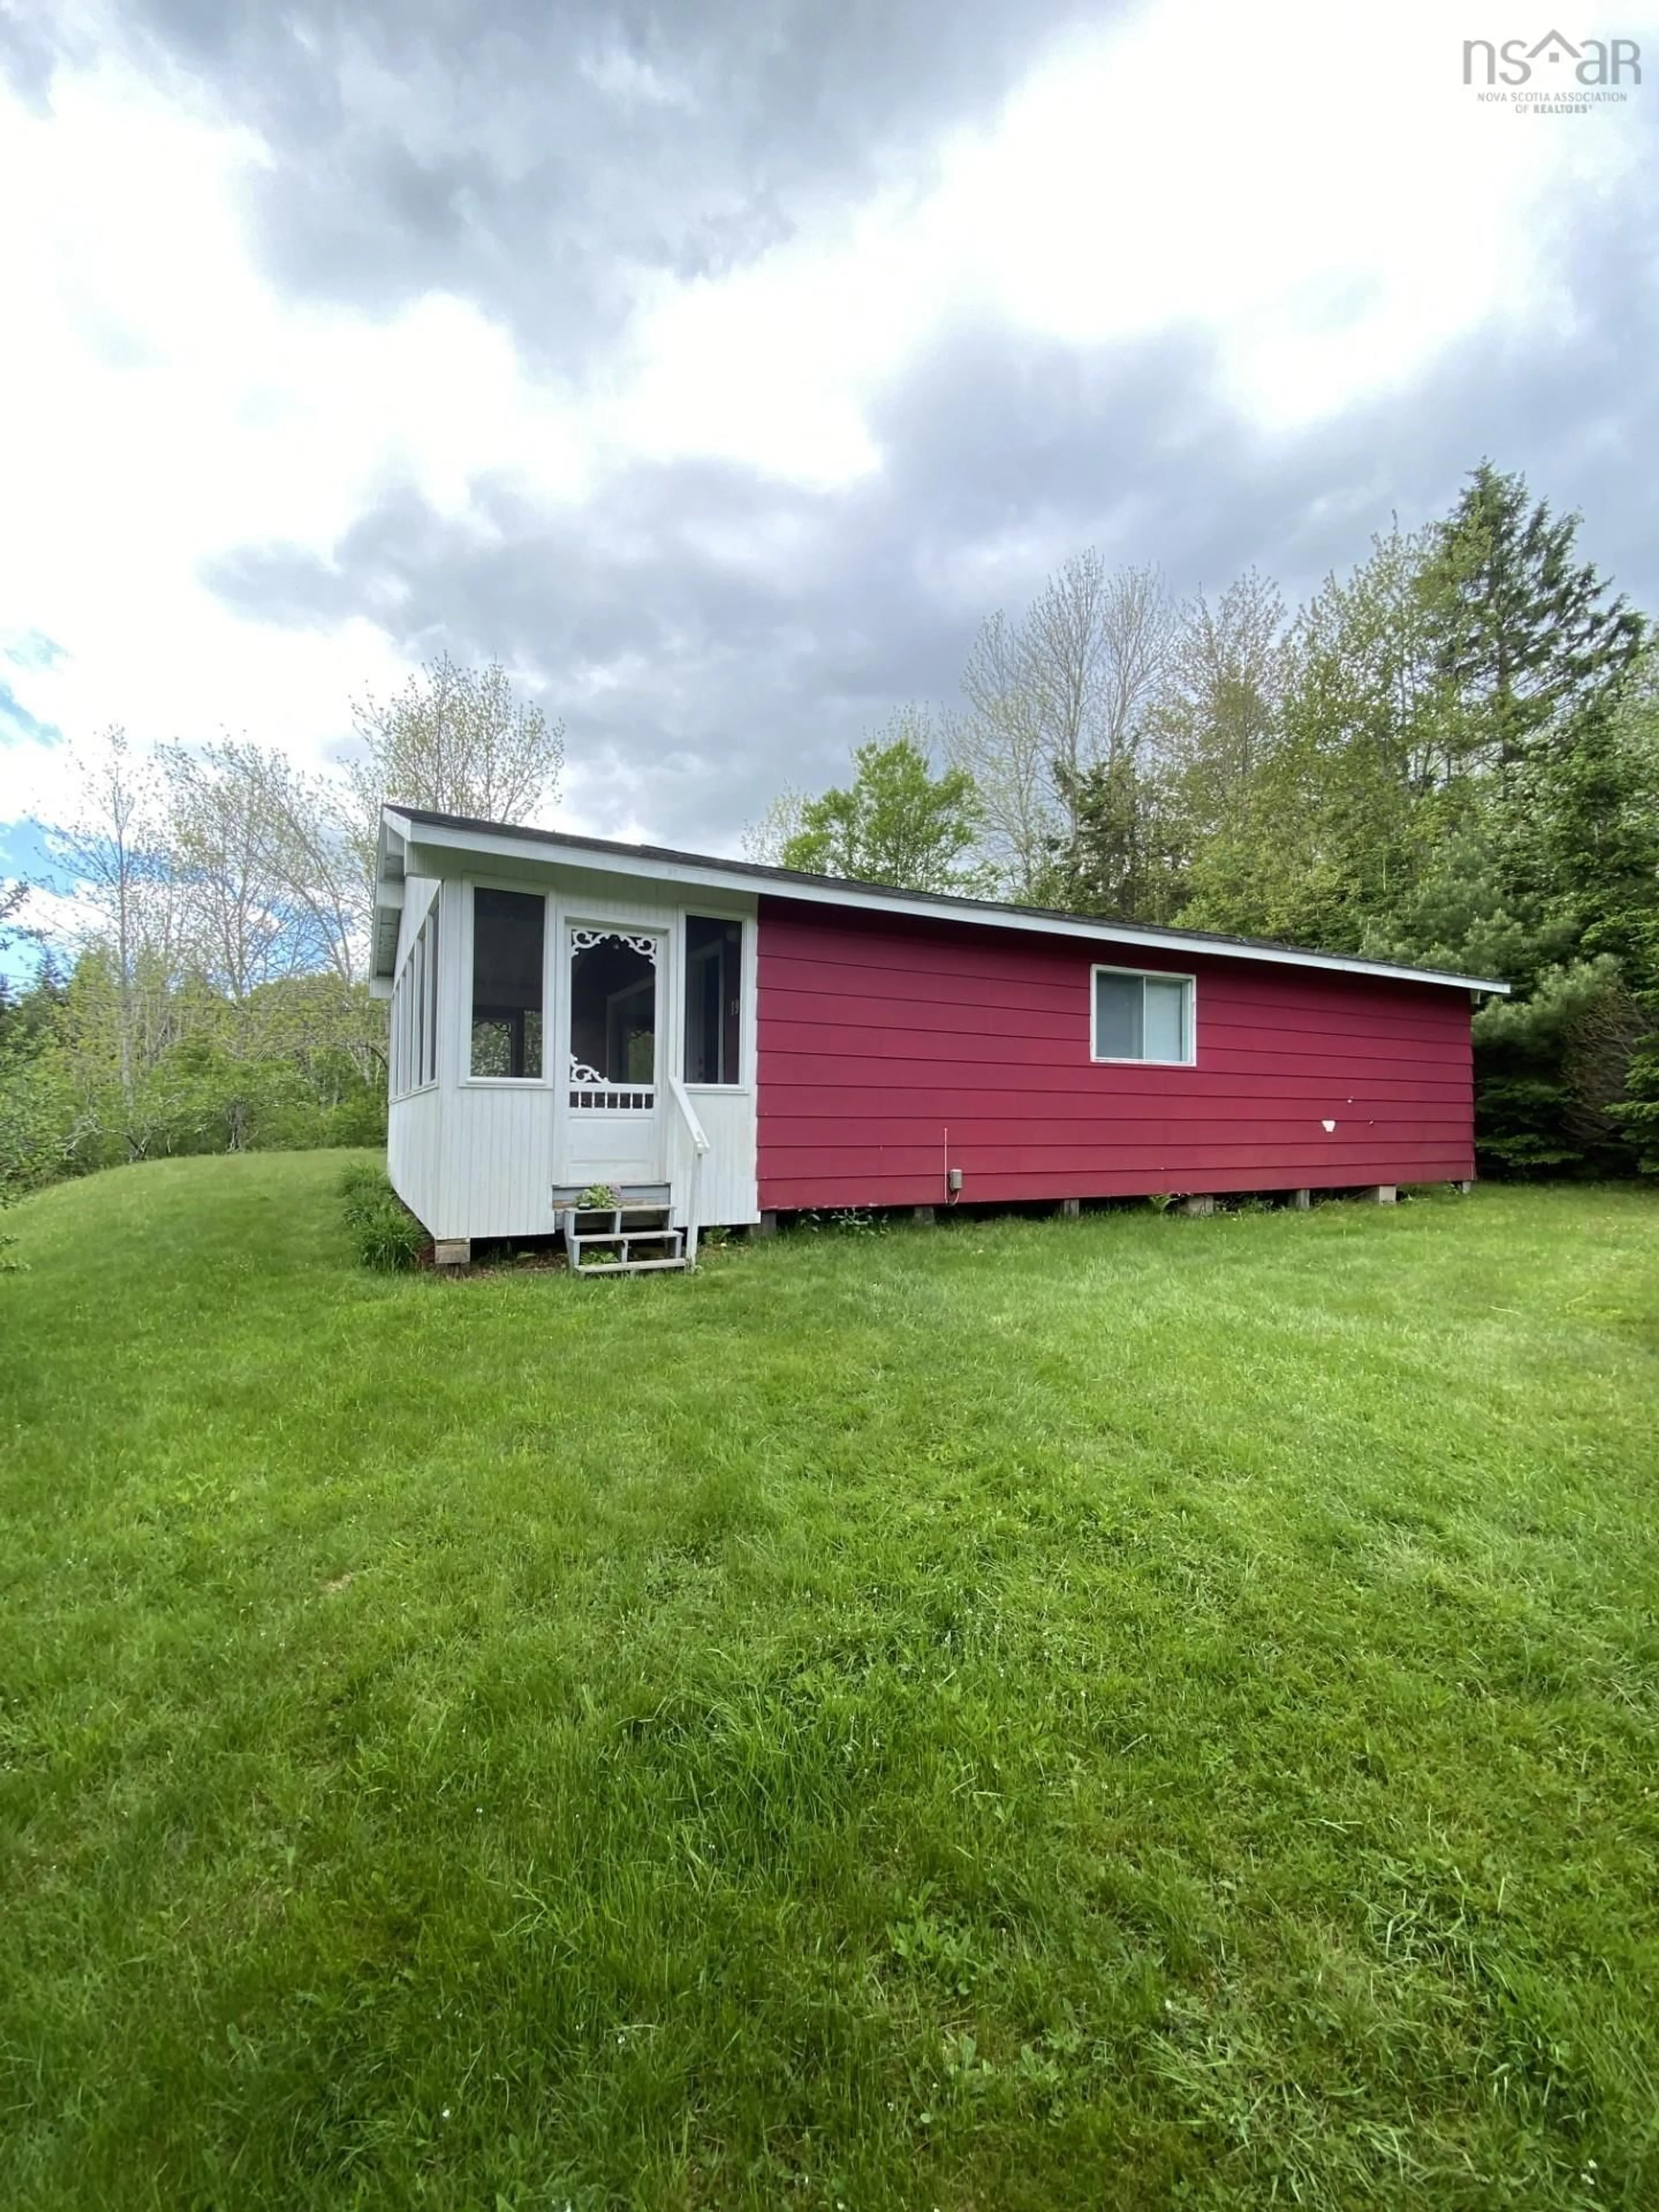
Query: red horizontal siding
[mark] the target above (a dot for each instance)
(914, 1091)
(879, 1034)
(884, 1048)
(807, 992)
(1254, 1122)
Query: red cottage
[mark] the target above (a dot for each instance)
(679, 1041)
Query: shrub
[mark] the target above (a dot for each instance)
(1551, 1072)
(384, 1231)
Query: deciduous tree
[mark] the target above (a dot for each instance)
(999, 739)
(459, 740)
(897, 823)
(766, 840)
(116, 851)
(270, 879)
(1067, 690)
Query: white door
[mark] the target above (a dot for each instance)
(613, 1046)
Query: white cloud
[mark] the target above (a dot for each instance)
(168, 404)
(632, 81)
(1309, 186)
(60, 918)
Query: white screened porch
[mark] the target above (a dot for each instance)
(556, 1028)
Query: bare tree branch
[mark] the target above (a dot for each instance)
(458, 740)
(1072, 686)
(999, 740)
(116, 851)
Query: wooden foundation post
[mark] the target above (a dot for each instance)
(1069, 1208)
(452, 1251)
(766, 1226)
(1203, 1203)
(1300, 1201)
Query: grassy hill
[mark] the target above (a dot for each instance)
(1122, 1712)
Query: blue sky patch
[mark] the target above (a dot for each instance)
(17, 721)
(24, 851)
(32, 648)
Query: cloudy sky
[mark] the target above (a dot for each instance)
(718, 364)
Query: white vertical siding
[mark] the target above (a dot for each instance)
(496, 1168)
(413, 1125)
(727, 1192)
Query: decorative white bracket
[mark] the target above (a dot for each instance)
(584, 941)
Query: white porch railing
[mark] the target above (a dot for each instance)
(699, 1142)
(591, 1090)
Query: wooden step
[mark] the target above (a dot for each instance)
(630, 1266)
(607, 1221)
(629, 1240)
(629, 1194)
(635, 1236)
(615, 1220)
(619, 1251)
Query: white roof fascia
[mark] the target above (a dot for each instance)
(502, 845)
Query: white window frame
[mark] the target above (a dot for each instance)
(415, 1015)
(1189, 1016)
(417, 1011)
(431, 997)
(467, 1079)
(743, 1079)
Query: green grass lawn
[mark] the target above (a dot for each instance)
(1132, 1711)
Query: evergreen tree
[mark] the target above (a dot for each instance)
(1551, 1071)
(1618, 782)
(1592, 823)
(1122, 857)
(1528, 640)
(1636, 1115)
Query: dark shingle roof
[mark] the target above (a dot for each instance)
(947, 903)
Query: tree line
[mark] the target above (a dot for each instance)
(206, 989)
(1448, 757)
